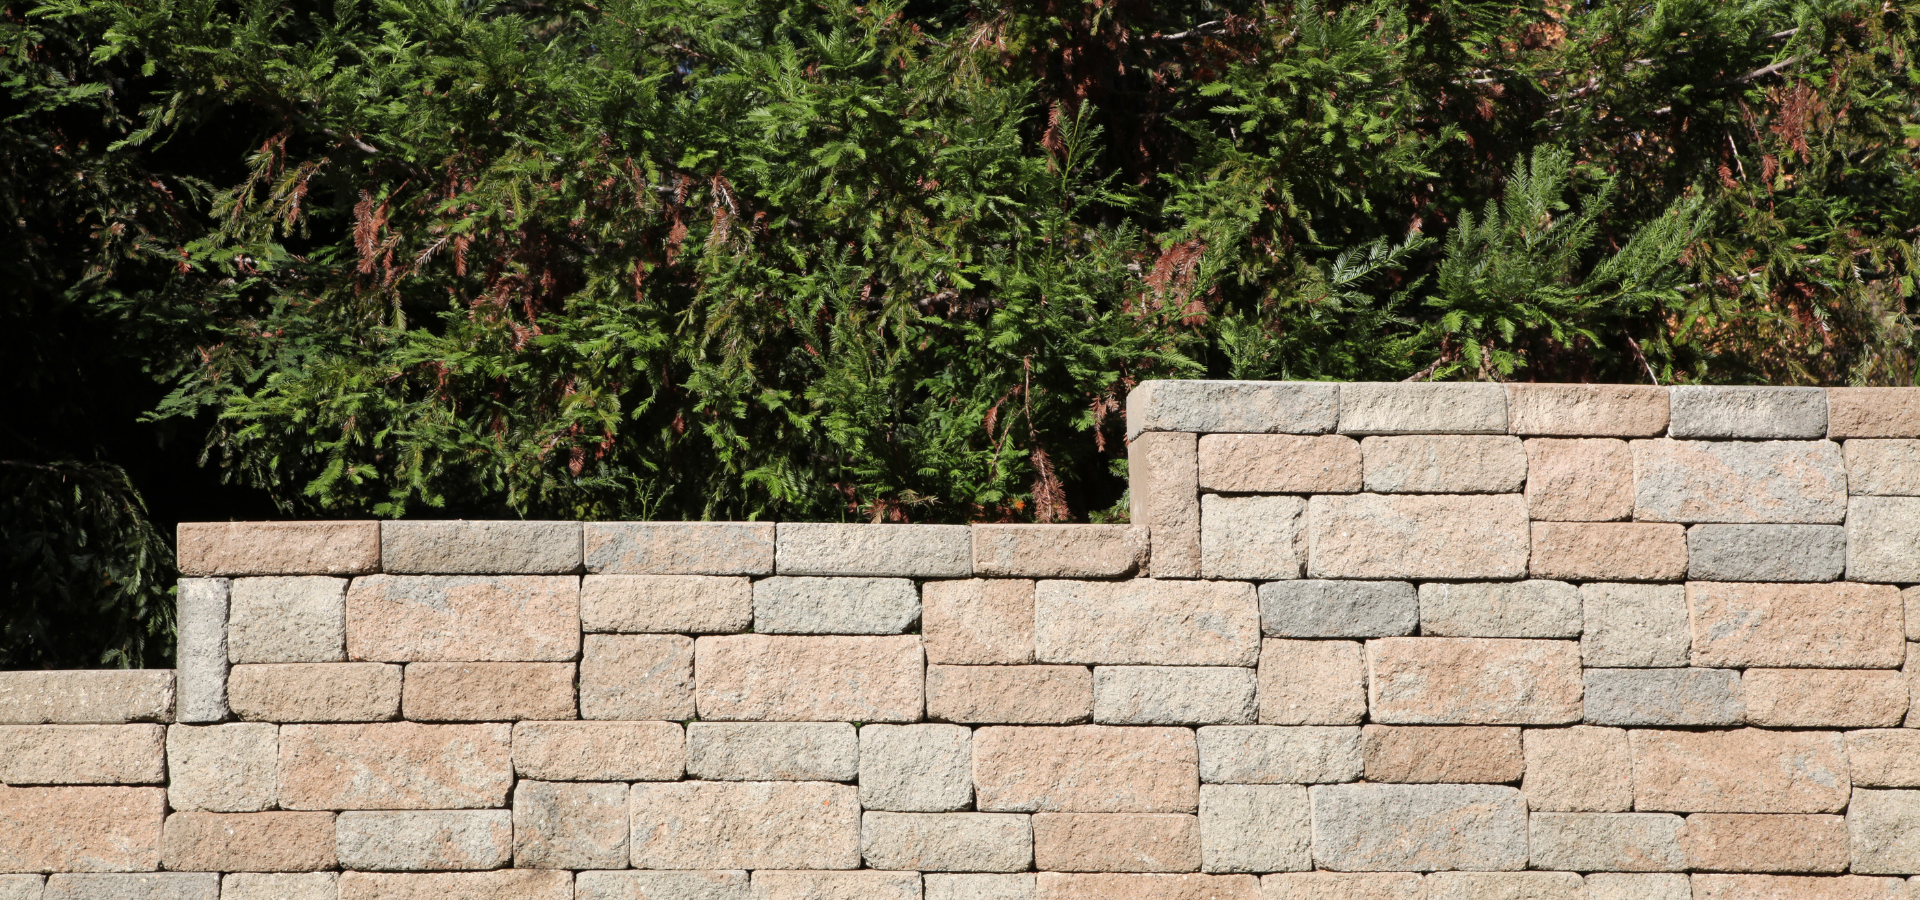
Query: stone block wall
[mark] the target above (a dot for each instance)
(1361, 642)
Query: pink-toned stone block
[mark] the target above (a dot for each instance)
(1311, 683)
(1580, 480)
(1146, 622)
(636, 676)
(1587, 410)
(1786, 482)
(745, 825)
(1163, 472)
(1116, 842)
(1344, 886)
(1441, 754)
(1439, 536)
(977, 621)
(488, 692)
(82, 754)
(315, 692)
(1086, 768)
(1742, 842)
(248, 842)
(1280, 463)
(599, 751)
(464, 618)
(1840, 625)
(1825, 698)
(1884, 757)
(1873, 412)
(395, 765)
(1609, 551)
(1065, 886)
(86, 696)
(1058, 551)
(679, 548)
(1444, 464)
(1578, 769)
(1745, 770)
(1010, 695)
(687, 604)
(1797, 887)
(506, 884)
(755, 677)
(279, 548)
(866, 885)
(81, 829)
(1473, 681)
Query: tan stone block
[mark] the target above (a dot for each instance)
(1010, 695)
(1796, 887)
(1280, 463)
(979, 887)
(1256, 538)
(1246, 828)
(1911, 597)
(1503, 609)
(1887, 757)
(1738, 842)
(1607, 842)
(1086, 768)
(1609, 551)
(287, 619)
(1444, 464)
(890, 551)
(977, 621)
(1587, 410)
(1825, 698)
(1063, 886)
(774, 751)
(1888, 412)
(1578, 769)
(279, 548)
(248, 842)
(1637, 886)
(1883, 831)
(395, 765)
(1116, 842)
(1443, 754)
(716, 885)
(1449, 537)
(1418, 827)
(1344, 886)
(1311, 683)
(685, 604)
(636, 676)
(1173, 695)
(1883, 468)
(1279, 754)
(947, 842)
(1058, 551)
(1147, 622)
(599, 751)
(231, 768)
(425, 840)
(774, 885)
(1473, 681)
(1883, 539)
(81, 829)
(82, 754)
(1743, 770)
(569, 826)
(142, 886)
(1506, 886)
(280, 886)
(1585, 480)
(915, 768)
(464, 618)
(1163, 473)
(809, 679)
(22, 887)
(1786, 482)
(1422, 408)
(86, 696)
(459, 547)
(507, 884)
(1796, 625)
(315, 692)
(1290, 407)
(679, 548)
(489, 692)
(745, 825)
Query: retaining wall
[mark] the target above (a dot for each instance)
(1385, 642)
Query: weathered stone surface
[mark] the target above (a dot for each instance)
(980, 887)
(1163, 475)
(1344, 886)
(1473, 681)
(82, 754)
(1766, 552)
(21, 887)
(1441, 754)
(1252, 537)
(1634, 625)
(636, 676)
(1418, 827)
(685, 604)
(1116, 842)
(510, 884)
(709, 885)
(480, 548)
(1796, 625)
(279, 548)
(977, 621)
(1586, 480)
(1883, 539)
(1147, 622)
(1066, 886)
(1883, 829)
(1505, 886)
(909, 551)
(281, 886)
(679, 548)
(1884, 757)
(1010, 695)
(425, 840)
(86, 697)
(491, 692)
(1269, 754)
(1311, 683)
(1422, 408)
(1825, 698)
(1280, 464)
(1444, 464)
(1786, 482)
(395, 765)
(1743, 770)
(1741, 842)
(167, 886)
(569, 826)
(1796, 887)
(1173, 695)
(1452, 537)
(248, 842)
(1748, 412)
(599, 751)
(1288, 407)
(1621, 886)
(1883, 468)
(1609, 551)
(200, 654)
(1058, 551)
(315, 692)
(744, 825)
(231, 768)
(773, 751)
(1255, 828)
(1607, 842)
(81, 829)
(788, 605)
(464, 618)
(1580, 410)
(836, 885)
(915, 768)
(1664, 697)
(1085, 768)
(1509, 609)
(1911, 599)
(947, 842)
(1873, 413)
(757, 677)
(1912, 670)
(1578, 769)
(1320, 609)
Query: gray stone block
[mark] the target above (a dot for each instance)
(679, 548)
(1623, 886)
(21, 887)
(1505, 886)
(280, 886)
(559, 825)
(287, 619)
(1444, 464)
(480, 548)
(86, 696)
(200, 668)
(1279, 754)
(1323, 609)
(424, 840)
(1252, 537)
(1883, 539)
(979, 887)
(1221, 407)
(1173, 695)
(1766, 552)
(223, 768)
(789, 605)
(1735, 482)
(1888, 468)
(1664, 697)
(773, 751)
(1255, 828)
(916, 768)
(1608, 842)
(898, 551)
(713, 884)
(947, 842)
(1883, 831)
(1418, 827)
(1426, 408)
(1634, 625)
(1748, 412)
(1511, 609)
(145, 886)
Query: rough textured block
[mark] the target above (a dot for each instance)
(1453, 537)
(980, 887)
(248, 842)
(1796, 887)
(230, 768)
(1883, 829)
(636, 676)
(1173, 695)
(1505, 886)
(1786, 482)
(1319, 609)
(1766, 552)
(1058, 551)
(1873, 412)
(1163, 475)
(788, 605)
(1344, 886)
(395, 765)
(1748, 412)
(1085, 768)
(909, 551)
(1825, 698)
(464, 618)
(1252, 537)
(758, 677)
(1418, 827)
(81, 829)
(315, 692)
(1422, 408)
(773, 751)
(1609, 551)
(599, 751)
(200, 655)
(279, 548)
(569, 826)
(915, 768)
(744, 825)
(491, 692)
(1116, 842)
(1608, 842)
(1577, 410)
(1429, 754)
(1737, 842)
(480, 548)
(1279, 464)
(1744, 770)
(1911, 598)
(1010, 695)
(1444, 464)
(1473, 681)
(1267, 754)
(947, 842)
(1664, 697)
(1883, 468)
(977, 621)
(280, 886)
(711, 885)
(21, 887)
(511, 884)
(679, 548)
(425, 840)
(1290, 407)
(1883, 539)
(167, 886)
(1579, 480)
(86, 697)
(1255, 828)
(1796, 626)
(1147, 622)
(1065, 886)
(1629, 625)
(687, 604)
(1311, 683)
(1578, 769)
(836, 886)
(1620, 886)
(82, 754)
(1512, 609)
(1884, 757)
